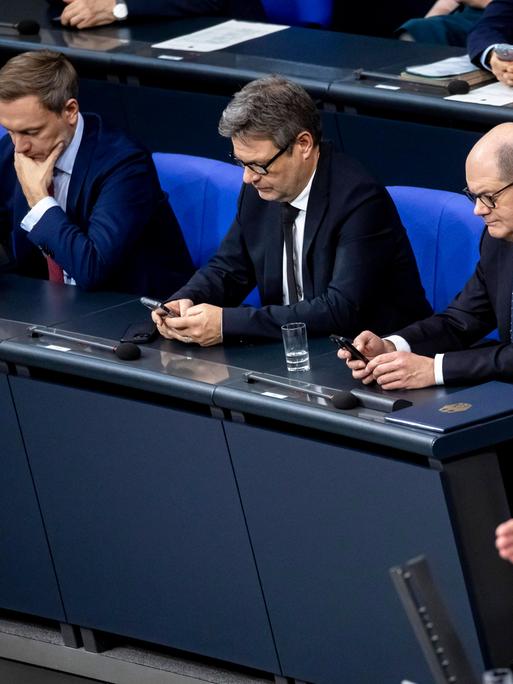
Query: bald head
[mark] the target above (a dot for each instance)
(493, 153)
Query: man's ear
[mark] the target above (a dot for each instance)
(305, 143)
(70, 111)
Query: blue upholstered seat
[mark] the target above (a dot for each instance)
(299, 12)
(445, 235)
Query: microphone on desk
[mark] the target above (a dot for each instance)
(25, 27)
(455, 87)
(126, 351)
(342, 399)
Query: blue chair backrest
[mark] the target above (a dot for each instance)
(444, 234)
(2, 131)
(203, 193)
(299, 12)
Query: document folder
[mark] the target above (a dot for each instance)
(459, 409)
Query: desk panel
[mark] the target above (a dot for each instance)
(145, 523)
(27, 578)
(327, 522)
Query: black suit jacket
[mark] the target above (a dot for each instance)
(118, 231)
(495, 26)
(482, 305)
(358, 266)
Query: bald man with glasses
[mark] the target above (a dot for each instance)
(442, 348)
(320, 238)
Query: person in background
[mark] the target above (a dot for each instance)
(442, 349)
(315, 233)
(495, 27)
(80, 203)
(83, 14)
(448, 22)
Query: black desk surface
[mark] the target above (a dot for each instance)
(212, 376)
(322, 61)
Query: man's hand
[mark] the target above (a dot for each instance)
(370, 345)
(201, 324)
(504, 540)
(402, 370)
(88, 13)
(180, 308)
(478, 4)
(441, 7)
(502, 69)
(35, 177)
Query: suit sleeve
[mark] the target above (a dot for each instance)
(122, 202)
(495, 26)
(464, 323)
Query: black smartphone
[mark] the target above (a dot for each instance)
(140, 333)
(154, 305)
(344, 343)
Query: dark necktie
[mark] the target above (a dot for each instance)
(55, 272)
(288, 216)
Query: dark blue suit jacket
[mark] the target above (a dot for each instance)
(496, 26)
(483, 304)
(359, 270)
(118, 231)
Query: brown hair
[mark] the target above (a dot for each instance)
(48, 75)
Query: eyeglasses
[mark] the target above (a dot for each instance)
(486, 198)
(261, 169)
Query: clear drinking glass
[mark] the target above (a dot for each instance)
(295, 343)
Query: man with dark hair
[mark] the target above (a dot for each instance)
(495, 27)
(79, 203)
(87, 13)
(318, 236)
(405, 360)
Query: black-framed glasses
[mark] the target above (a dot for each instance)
(261, 169)
(488, 199)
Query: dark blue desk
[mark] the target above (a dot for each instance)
(185, 507)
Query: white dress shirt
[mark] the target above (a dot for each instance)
(61, 179)
(298, 234)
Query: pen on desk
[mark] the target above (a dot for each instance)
(363, 73)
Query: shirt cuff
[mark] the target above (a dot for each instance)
(439, 373)
(399, 342)
(484, 56)
(36, 213)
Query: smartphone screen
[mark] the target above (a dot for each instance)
(344, 343)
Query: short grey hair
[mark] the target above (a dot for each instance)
(271, 108)
(505, 161)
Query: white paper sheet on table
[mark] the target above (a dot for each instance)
(495, 94)
(452, 66)
(220, 36)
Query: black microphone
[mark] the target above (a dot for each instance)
(341, 400)
(126, 351)
(25, 27)
(458, 87)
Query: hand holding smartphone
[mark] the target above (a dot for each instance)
(155, 305)
(344, 343)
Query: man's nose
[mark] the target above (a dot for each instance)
(250, 176)
(21, 143)
(480, 208)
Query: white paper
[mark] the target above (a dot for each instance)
(220, 36)
(495, 94)
(453, 66)
(274, 395)
(56, 347)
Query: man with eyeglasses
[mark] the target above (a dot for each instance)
(440, 349)
(318, 236)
